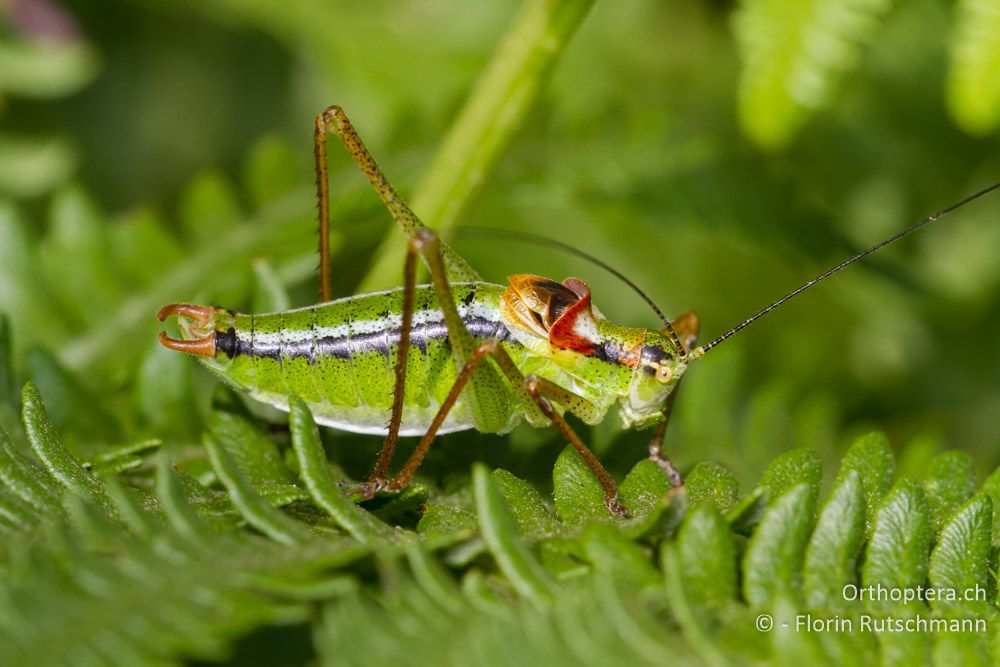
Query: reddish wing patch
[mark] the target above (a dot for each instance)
(559, 312)
(569, 332)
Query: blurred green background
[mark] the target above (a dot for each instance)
(718, 154)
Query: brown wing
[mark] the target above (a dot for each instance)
(560, 312)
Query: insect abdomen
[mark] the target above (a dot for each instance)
(340, 356)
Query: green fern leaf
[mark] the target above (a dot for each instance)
(219, 569)
(835, 546)
(793, 55)
(973, 89)
(773, 560)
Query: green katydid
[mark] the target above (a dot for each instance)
(458, 353)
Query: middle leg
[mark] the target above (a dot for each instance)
(378, 478)
(656, 453)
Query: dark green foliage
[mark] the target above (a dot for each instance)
(705, 548)
(948, 484)
(832, 555)
(710, 482)
(85, 554)
(871, 459)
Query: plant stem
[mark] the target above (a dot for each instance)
(485, 126)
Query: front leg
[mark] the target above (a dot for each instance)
(537, 389)
(656, 444)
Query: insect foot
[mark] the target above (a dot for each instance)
(657, 456)
(615, 507)
(367, 490)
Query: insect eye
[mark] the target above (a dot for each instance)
(664, 373)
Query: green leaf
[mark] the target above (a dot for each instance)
(966, 649)
(131, 506)
(269, 295)
(689, 617)
(949, 483)
(76, 409)
(30, 167)
(991, 488)
(612, 553)
(707, 558)
(48, 447)
(578, 493)
(433, 578)
(7, 377)
(315, 471)
(870, 457)
(399, 508)
(26, 480)
(792, 58)
(499, 531)
(272, 171)
(255, 453)
(257, 511)
(16, 513)
(710, 482)
(960, 562)
(209, 208)
(563, 558)
(643, 491)
(773, 560)
(78, 245)
(180, 513)
(121, 457)
(45, 68)
(165, 389)
(832, 555)
(973, 86)
(897, 552)
(446, 520)
(896, 561)
(24, 289)
(745, 516)
(791, 469)
(142, 249)
(525, 503)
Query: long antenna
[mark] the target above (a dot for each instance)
(544, 241)
(701, 350)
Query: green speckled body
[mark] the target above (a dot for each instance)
(340, 358)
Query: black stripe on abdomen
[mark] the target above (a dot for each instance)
(343, 347)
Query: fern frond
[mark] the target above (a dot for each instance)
(126, 578)
(973, 89)
(160, 572)
(793, 54)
